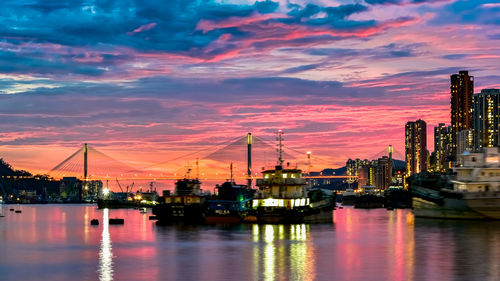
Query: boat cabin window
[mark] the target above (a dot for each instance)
(473, 159)
(285, 176)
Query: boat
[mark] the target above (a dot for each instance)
(369, 197)
(186, 205)
(127, 199)
(397, 198)
(1, 207)
(349, 197)
(230, 204)
(284, 196)
(472, 193)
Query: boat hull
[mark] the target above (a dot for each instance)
(214, 219)
(450, 209)
(369, 201)
(173, 213)
(485, 203)
(348, 200)
(291, 216)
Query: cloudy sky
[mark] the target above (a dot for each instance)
(145, 80)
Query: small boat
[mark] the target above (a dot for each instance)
(116, 221)
(230, 204)
(349, 197)
(370, 197)
(186, 205)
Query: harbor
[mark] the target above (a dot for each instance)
(360, 244)
(259, 140)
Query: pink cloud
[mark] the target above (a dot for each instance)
(142, 28)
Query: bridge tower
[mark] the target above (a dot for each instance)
(85, 156)
(249, 160)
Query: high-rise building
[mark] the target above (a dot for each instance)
(366, 175)
(485, 118)
(383, 175)
(353, 167)
(442, 146)
(465, 141)
(462, 89)
(416, 147)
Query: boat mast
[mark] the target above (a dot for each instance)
(279, 138)
(231, 167)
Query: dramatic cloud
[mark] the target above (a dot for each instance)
(162, 79)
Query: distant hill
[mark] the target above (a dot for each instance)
(398, 164)
(7, 170)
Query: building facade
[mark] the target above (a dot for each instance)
(485, 121)
(461, 90)
(366, 174)
(353, 167)
(383, 175)
(416, 147)
(442, 146)
(465, 141)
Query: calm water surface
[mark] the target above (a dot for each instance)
(57, 242)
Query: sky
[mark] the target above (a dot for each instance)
(145, 80)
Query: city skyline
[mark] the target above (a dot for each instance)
(166, 80)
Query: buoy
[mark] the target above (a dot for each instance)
(94, 222)
(116, 221)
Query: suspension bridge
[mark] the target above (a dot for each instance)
(209, 163)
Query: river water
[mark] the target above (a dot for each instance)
(57, 242)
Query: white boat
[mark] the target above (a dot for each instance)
(475, 193)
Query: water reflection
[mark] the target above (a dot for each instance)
(105, 252)
(41, 244)
(282, 252)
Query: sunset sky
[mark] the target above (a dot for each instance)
(147, 80)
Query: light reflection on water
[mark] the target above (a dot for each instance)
(105, 252)
(56, 242)
(282, 252)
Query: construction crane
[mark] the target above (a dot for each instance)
(119, 185)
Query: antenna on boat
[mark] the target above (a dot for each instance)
(279, 138)
(197, 168)
(309, 164)
(231, 168)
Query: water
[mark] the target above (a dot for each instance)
(57, 242)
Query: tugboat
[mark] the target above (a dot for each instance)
(186, 205)
(230, 204)
(349, 197)
(284, 197)
(474, 193)
(370, 197)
